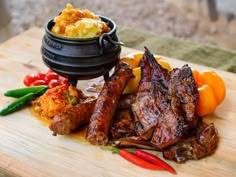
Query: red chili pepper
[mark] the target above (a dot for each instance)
(135, 159)
(138, 161)
(153, 159)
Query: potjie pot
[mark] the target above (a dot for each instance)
(80, 59)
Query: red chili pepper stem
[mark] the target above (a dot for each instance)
(153, 159)
(114, 150)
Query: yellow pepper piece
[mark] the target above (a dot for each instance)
(131, 61)
(132, 85)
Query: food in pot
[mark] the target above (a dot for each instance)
(76, 23)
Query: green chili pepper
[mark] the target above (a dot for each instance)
(17, 93)
(21, 102)
(40, 92)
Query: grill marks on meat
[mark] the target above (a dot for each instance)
(144, 107)
(126, 100)
(123, 124)
(165, 103)
(107, 102)
(169, 127)
(201, 142)
(73, 117)
(184, 94)
(178, 111)
(164, 113)
(133, 141)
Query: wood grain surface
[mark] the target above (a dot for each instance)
(28, 149)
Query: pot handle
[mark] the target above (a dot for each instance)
(109, 39)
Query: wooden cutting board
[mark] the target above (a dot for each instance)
(28, 149)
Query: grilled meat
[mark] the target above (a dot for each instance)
(178, 114)
(72, 118)
(67, 106)
(133, 141)
(160, 116)
(164, 114)
(144, 108)
(184, 94)
(126, 100)
(201, 142)
(165, 103)
(123, 124)
(107, 102)
(123, 129)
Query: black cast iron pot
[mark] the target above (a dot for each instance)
(80, 59)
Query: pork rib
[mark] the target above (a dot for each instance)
(165, 103)
(178, 114)
(144, 108)
(201, 142)
(126, 100)
(123, 124)
(184, 94)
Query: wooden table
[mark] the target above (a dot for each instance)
(28, 149)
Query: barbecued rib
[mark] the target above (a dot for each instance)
(161, 106)
(122, 124)
(201, 142)
(133, 141)
(126, 100)
(179, 114)
(169, 127)
(107, 102)
(144, 108)
(151, 109)
(184, 94)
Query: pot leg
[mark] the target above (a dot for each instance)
(72, 81)
(106, 76)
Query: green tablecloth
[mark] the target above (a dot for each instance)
(202, 54)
